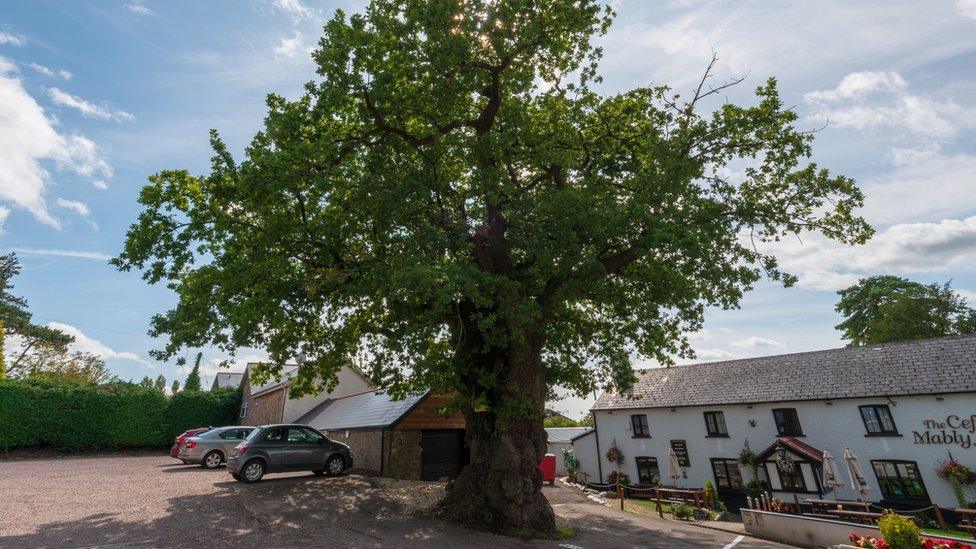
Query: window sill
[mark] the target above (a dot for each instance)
(883, 434)
(717, 436)
(640, 436)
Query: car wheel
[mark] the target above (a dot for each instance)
(212, 460)
(253, 471)
(335, 465)
(236, 476)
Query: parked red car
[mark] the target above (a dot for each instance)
(175, 450)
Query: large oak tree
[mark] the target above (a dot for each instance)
(452, 200)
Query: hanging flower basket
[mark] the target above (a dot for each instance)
(953, 471)
(747, 457)
(614, 455)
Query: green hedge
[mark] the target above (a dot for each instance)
(66, 416)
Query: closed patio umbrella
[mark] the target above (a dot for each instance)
(831, 475)
(858, 482)
(674, 469)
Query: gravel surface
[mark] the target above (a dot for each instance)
(155, 501)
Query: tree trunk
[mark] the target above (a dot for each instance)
(501, 488)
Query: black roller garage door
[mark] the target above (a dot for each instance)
(443, 453)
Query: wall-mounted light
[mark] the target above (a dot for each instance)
(828, 403)
(674, 409)
(752, 423)
(749, 407)
(940, 399)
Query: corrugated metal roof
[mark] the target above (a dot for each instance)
(564, 434)
(372, 409)
(921, 367)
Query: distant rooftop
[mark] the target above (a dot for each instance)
(287, 372)
(228, 379)
(929, 366)
(558, 435)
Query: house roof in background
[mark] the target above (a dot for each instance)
(931, 366)
(287, 372)
(565, 435)
(227, 379)
(370, 409)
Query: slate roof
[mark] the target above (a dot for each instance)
(565, 435)
(227, 379)
(931, 366)
(370, 409)
(287, 372)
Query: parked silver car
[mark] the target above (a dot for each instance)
(281, 448)
(210, 449)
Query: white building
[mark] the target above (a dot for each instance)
(902, 408)
(559, 439)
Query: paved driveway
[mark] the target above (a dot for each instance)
(151, 501)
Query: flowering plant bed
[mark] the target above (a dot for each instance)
(872, 542)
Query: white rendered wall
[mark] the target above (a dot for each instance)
(832, 425)
(350, 382)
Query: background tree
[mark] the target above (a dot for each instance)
(55, 362)
(193, 380)
(453, 199)
(887, 308)
(15, 319)
(160, 384)
(176, 387)
(146, 382)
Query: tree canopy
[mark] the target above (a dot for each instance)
(55, 362)
(885, 308)
(192, 382)
(15, 319)
(454, 198)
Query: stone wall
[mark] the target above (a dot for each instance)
(403, 455)
(366, 446)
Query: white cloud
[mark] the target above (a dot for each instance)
(924, 184)
(28, 141)
(866, 100)
(138, 8)
(100, 184)
(79, 208)
(967, 8)
(86, 344)
(87, 108)
(753, 343)
(906, 248)
(859, 84)
(700, 335)
(4, 212)
(968, 295)
(62, 253)
(711, 355)
(47, 71)
(295, 8)
(292, 47)
(11, 39)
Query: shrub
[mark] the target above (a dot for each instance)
(571, 462)
(682, 511)
(72, 416)
(899, 532)
(623, 477)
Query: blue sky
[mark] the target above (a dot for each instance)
(96, 96)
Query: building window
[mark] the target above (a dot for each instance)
(877, 419)
(715, 424)
(791, 480)
(639, 424)
(899, 479)
(787, 422)
(647, 471)
(727, 475)
(243, 410)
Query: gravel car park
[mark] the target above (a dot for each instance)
(152, 501)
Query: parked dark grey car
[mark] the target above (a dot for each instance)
(212, 447)
(282, 448)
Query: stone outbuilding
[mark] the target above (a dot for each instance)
(405, 439)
